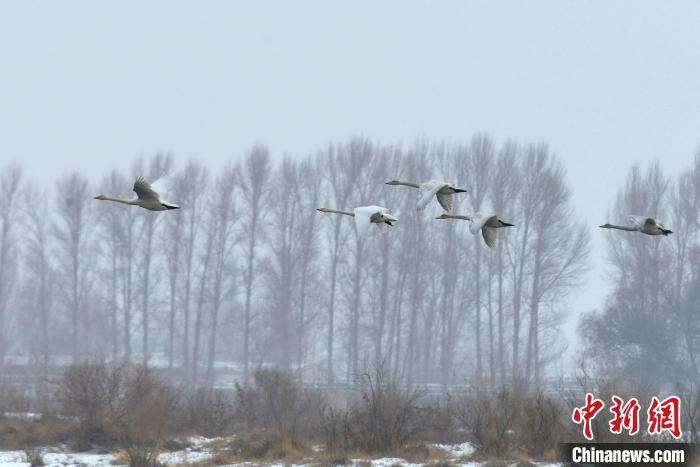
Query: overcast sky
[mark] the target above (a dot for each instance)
(89, 85)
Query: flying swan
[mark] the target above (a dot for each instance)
(487, 223)
(147, 197)
(366, 215)
(443, 191)
(643, 224)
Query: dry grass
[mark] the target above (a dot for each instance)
(18, 434)
(264, 447)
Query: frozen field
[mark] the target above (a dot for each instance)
(201, 453)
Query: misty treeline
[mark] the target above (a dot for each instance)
(649, 326)
(248, 272)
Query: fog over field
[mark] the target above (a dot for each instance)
(89, 86)
(556, 116)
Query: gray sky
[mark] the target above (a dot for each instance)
(89, 85)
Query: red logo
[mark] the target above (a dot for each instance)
(665, 416)
(662, 416)
(626, 416)
(587, 413)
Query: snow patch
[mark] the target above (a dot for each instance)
(22, 415)
(61, 459)
(13, 459)
(183, 457)
(457, 450)
(57, 459)
(385, 462)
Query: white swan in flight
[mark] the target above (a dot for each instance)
(643, 224)
(146, 197)
(443, 191)
(366, 215)
(487, 223)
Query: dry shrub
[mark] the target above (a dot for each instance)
(208, 412)
(14, 399)
(511, 422)
(490, 420)
(90, 392)
(122, 404)
(335, 428)
(277, 404)
(145, 414)
(34, 456)
(387, 417)
(438, 423)
(540, 426)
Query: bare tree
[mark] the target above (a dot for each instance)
(254, 174)
(480, 163)
(221, 222)
(160, 166)
(10, 182)
(559, 252)
(193, 178)
(72, 232)
(40, 278)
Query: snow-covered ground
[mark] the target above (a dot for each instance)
(58, 459)
(203, 449)
(22, 415)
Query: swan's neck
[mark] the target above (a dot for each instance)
(618, 227)
(456, 216)
(346, 213)
(131, 202)
(411, 184)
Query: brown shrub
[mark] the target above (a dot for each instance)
(386, 417)
(207, 411)
(511, 421)
(490, 419)
(275, 402)
(122, 404)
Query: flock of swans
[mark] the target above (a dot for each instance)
(147, 197)
(443, 191)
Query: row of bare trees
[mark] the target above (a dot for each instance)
(248, 272)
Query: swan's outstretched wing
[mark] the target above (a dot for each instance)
(162, 187)
(144, 190)
(489, 234)
(482, 222)
(445, 201)
(426, 191)
(640, 222)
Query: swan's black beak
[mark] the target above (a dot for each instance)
(459, 190)
(506, 224)
(666, 231)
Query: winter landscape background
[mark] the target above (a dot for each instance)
(247, 301)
